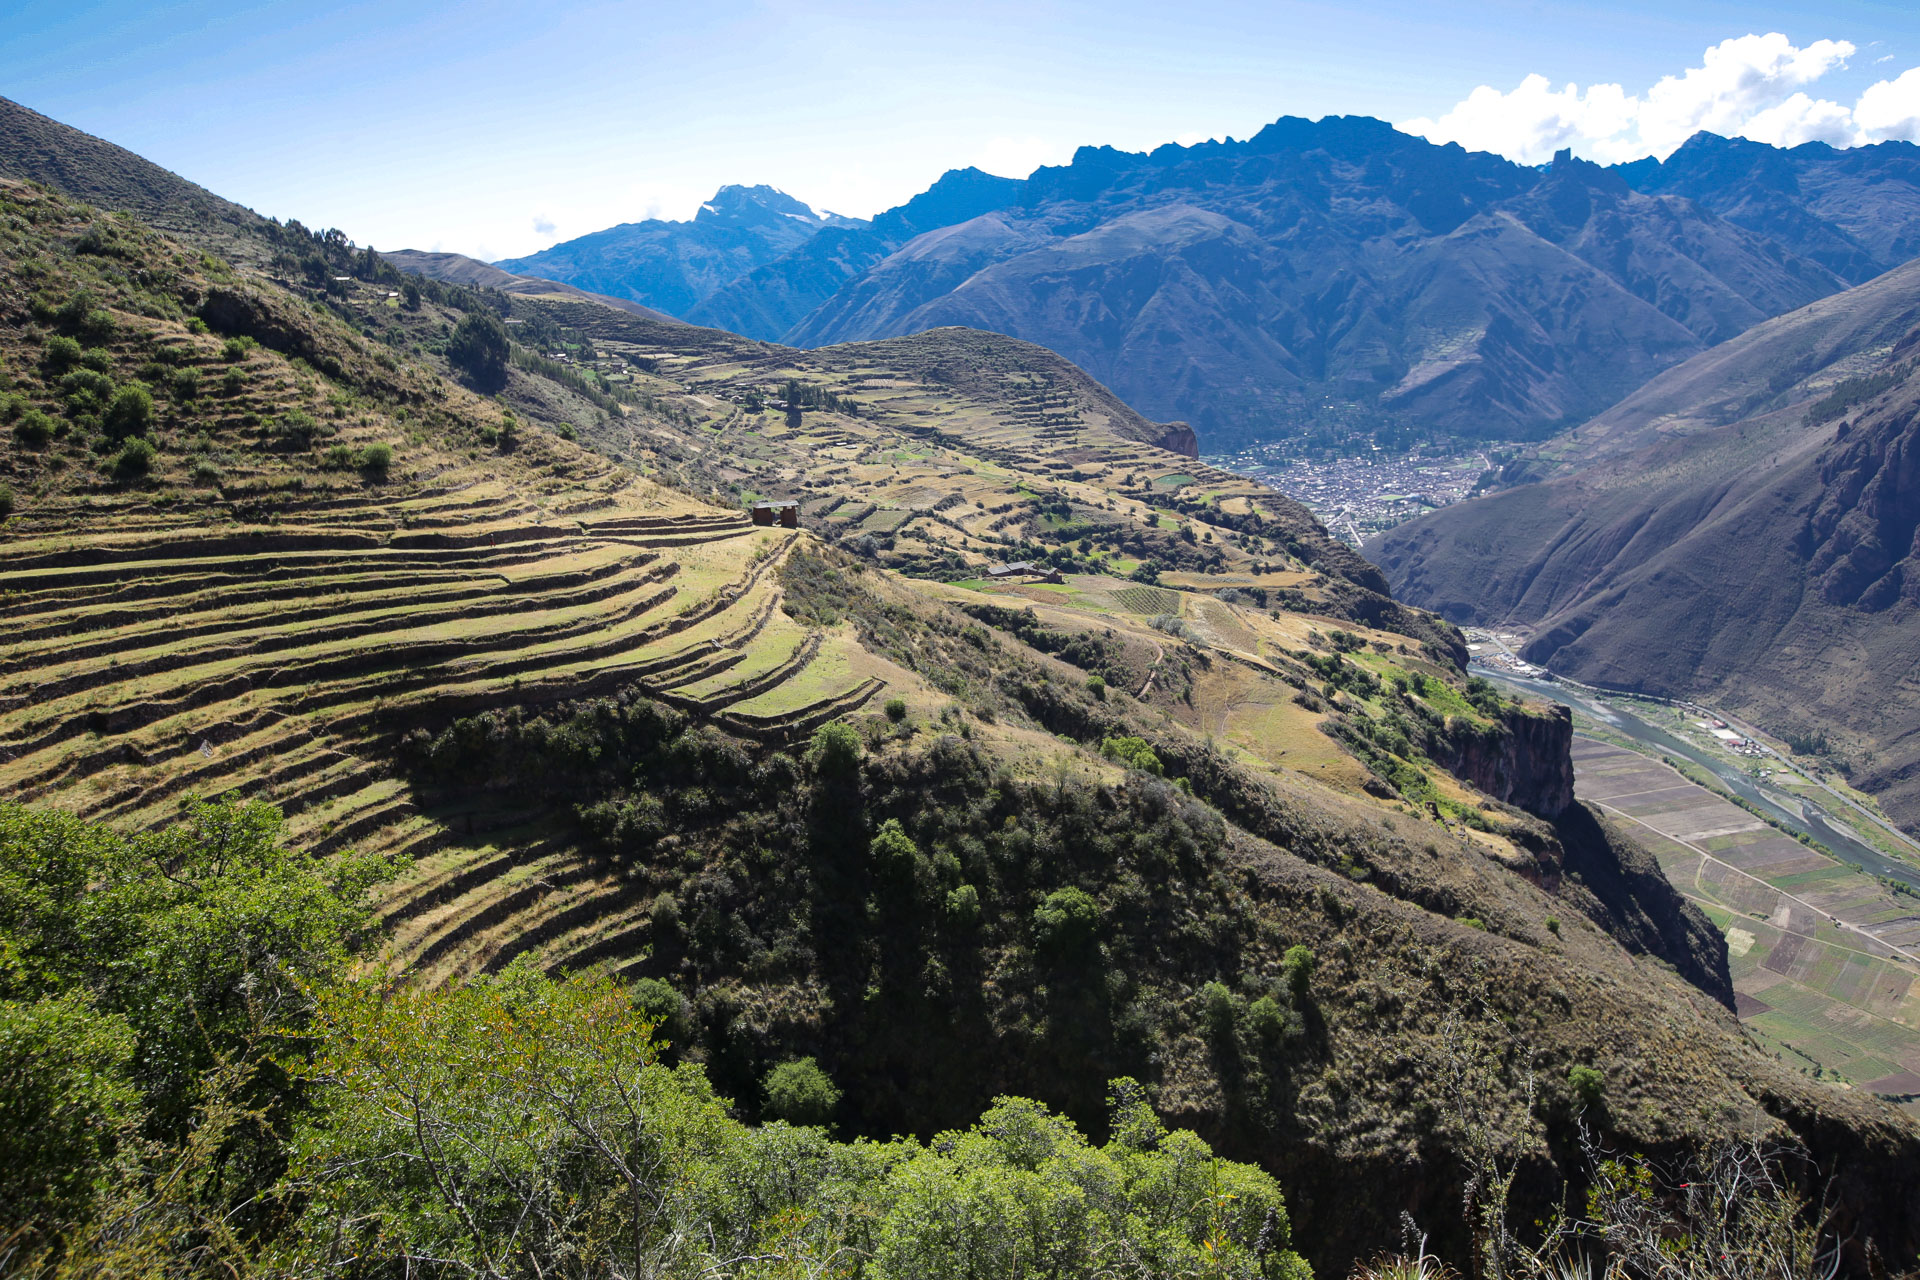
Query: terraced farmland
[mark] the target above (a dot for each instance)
(282, 661)
(1825, 961)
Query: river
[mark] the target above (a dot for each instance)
(1792, 812)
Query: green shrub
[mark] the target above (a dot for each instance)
(1267, 1018)
(1553, 925)
(835, 751)
(1220, 1007)
(376, 457)
(1066, 920)
(135, 458)
(963, 906)
(34, 429)
(1132, 752)
(206, 472)
(1296, 968)
(896, 709)
(86, 391)
(567, 432)
(1587, 1085)
(129, 412)
(339, 457)
(234, 350)
(186, 384)
(6, 501)
(298, 427)
(799, 1092)
(1097, 687)
(233, 382)
(62, 353)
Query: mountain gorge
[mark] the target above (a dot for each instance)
(1741, 530)
(1032, 756)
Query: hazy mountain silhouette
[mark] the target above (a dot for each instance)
(671, 266)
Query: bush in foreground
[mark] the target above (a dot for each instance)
(519, 1126)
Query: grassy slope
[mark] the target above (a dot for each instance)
(246, 619)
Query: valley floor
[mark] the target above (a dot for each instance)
(1825, 961)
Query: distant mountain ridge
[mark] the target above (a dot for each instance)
(1340, 271)
(457, 268)
(671, 265)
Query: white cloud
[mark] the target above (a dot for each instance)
(1019, 157)
(1801, 119)
(542, 225)
(1891, 109)
(1751, 86)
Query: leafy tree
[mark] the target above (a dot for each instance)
(661, 1007)
(129, 412)
(519, 1126)
(1267, 1018)
(835, 750)
(1221, 1008)
(963, 906)
(67, 1102)
(1132, 752)
(1066, 919)
(479, 348)
(1587, 1085)
(1296, 967)
(799, 1092)
(147, 978)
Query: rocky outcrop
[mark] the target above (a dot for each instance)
(1180, 438)
(1526, 762)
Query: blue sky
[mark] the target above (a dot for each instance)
(495, 129)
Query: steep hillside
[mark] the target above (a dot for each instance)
(1762, 565)
(670, 266)
(36, 149)
(1785, 363)
(261, 539)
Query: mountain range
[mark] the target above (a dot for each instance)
(1327, 275)
(461, 577)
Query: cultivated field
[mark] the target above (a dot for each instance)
(1825, 960)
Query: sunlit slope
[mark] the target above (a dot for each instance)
(943, 453)
(264, 608)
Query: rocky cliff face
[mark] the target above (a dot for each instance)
(1180, 439)
(1528, 764)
